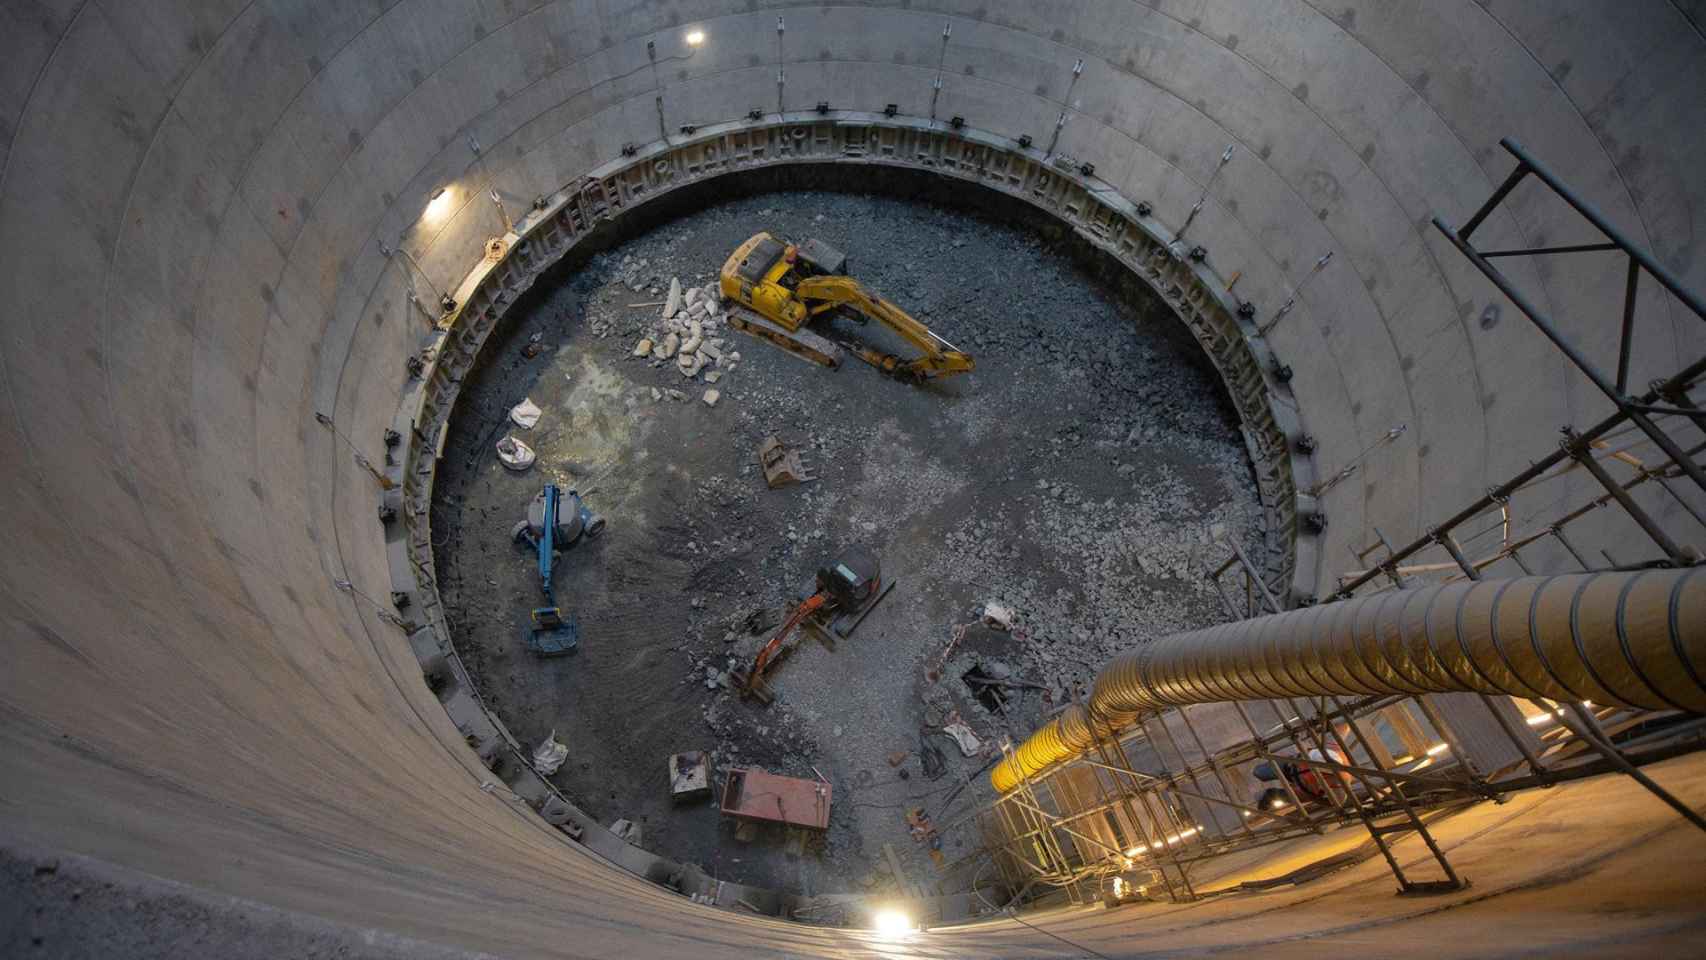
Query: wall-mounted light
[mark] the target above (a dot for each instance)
(438, 204)
(695, 37)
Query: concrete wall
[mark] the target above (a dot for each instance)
(192, 203)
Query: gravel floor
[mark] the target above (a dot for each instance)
(1077, 476)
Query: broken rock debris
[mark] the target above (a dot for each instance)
(687, 331)
(672, 305)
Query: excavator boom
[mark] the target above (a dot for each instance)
(940, 358)
(752, 681)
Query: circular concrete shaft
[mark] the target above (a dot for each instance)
(1090, 458)
(206, 339)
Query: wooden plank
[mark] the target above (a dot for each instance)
(907, 888)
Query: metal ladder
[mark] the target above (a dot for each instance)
(1404, 819)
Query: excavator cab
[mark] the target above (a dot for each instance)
(758, 276)
(851, 579)
(818, 259)
(779, 287)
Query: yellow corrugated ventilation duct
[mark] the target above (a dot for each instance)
(1631, 639)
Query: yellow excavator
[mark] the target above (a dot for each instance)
(778, 288)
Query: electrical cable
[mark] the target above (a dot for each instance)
(1014, 914)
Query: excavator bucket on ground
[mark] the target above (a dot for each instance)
(782, 467)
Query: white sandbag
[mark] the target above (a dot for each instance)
(525, 414)
(515, 455)
(548, 757)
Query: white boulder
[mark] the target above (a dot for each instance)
(672, 304)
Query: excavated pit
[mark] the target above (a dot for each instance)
(1077, 476)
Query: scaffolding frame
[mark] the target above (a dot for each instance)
(1053, 832)
(1661, 424)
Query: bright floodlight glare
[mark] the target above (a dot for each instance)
(695, 37)
(438, 204)
(891, 923)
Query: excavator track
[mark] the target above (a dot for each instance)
(804, 344)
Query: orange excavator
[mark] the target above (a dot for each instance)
(846, 591)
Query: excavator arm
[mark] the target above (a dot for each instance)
(811, 606)
(940, 359)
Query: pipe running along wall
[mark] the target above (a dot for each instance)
(1629, 639)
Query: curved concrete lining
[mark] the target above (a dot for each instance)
(193, 200)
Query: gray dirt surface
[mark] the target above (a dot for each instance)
(67, 907)
(1081, 475)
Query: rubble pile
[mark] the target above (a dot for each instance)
(687, 337)
(1140, 562)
